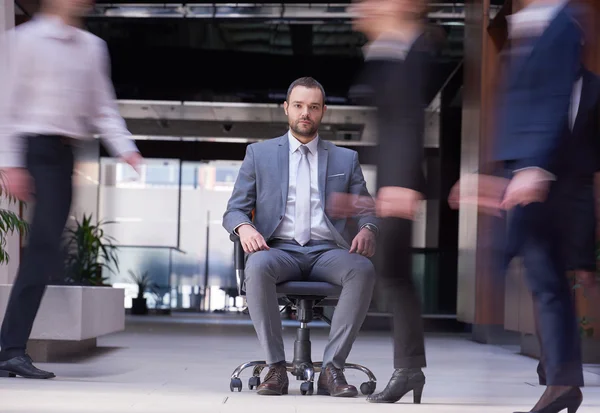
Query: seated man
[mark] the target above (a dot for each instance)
(286, 182)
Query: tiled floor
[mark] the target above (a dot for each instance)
(182, 364)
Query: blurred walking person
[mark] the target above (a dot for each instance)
(55, 90)
(532, 144)
(582, 150)
(394, 80)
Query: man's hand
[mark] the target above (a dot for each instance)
(251, 239)
(397, 202)
(364, 243)
(344, 205)
(485, 191)
(18, 183)
(526, 187)
(134, 159)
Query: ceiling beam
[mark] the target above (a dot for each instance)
(28, 7)
(295, 12)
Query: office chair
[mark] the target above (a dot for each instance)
(308, 299)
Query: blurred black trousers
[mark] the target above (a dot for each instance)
(50, 161)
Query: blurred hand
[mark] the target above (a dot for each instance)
(344, 205)
(485, 191)
(364, 243)
(526, 187)
(134, 159)
(251, 239)
(397, 202)
(19, 183)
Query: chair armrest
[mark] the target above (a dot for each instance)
(239, 257)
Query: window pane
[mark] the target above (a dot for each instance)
(144, 207)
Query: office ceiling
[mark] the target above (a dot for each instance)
(206, 49)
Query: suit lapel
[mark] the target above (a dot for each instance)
(283, 164)
(323, 160)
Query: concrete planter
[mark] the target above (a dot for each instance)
(71, 318)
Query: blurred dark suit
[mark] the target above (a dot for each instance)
(583, 146)
(533, 130)
(395, 80)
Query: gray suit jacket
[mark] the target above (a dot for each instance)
(263, 182)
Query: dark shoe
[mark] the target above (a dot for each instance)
(276, 382)
(402, 382)
(333, 383)
(570, 401)
(23, 366)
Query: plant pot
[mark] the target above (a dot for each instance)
(139, 306)
(160, 311)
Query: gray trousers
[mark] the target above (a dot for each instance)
(317, 261)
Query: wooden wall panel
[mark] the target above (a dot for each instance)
(480, 299)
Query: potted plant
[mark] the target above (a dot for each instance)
(88, 252)
(145, 284)
(9, 221)
(158, 294)
(587, 316)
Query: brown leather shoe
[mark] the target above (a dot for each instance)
(276, 382)
(332, 382)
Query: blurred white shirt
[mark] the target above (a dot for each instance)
(55, 80)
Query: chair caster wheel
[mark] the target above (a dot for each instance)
(368, 388)
(236, 384)
(253, 382)
(307, 388)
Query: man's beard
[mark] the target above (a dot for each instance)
(306, 131)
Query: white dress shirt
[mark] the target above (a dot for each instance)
(575, 101)
(390, 46)
(319, 228)
(56, 82)
(532, 20)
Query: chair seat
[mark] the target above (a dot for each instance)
(312, 288)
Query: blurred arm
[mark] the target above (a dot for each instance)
(553, 88)
(402, 129)
(364, 205)
(243, 197)
(105, 113)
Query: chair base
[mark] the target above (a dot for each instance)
(304, 372)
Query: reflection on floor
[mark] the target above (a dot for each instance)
(182, 364)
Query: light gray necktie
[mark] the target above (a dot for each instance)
(302, 222)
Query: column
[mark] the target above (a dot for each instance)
(7, 15)
(8, 272)
(480, 298)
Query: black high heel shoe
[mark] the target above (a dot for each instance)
(402, 382)
(570, 401)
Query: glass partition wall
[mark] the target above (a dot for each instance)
(167, 221)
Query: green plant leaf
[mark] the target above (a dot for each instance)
(10, 222)
(88, 252)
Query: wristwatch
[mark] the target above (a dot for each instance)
(372, 228)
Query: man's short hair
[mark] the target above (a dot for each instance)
(307, 82)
